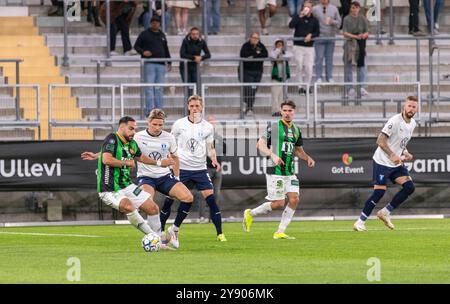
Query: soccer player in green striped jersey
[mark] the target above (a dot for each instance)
(114, 185)
(282, 143)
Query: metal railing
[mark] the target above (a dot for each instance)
(17, 66)
(232, 100)
(134, 98)
(20, 111)
(96, 114)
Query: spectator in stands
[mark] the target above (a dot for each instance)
(144, 19)
(414, 18)
(294, 6)
(152, 43)
(253, 71)
(57, 8)
(356, 32)
(213, 16)
(216, 176)
(306, 29)
(193, 48)
(280, 73)
(329, 21)
(344, 10)
(121, 14)
(263, 20)
(92, 12)
(181, 10)
(438, 6)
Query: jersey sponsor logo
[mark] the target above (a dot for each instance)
(404, 142)
(287, 147)
(137, 191)
(110, 147)
(294, 182)
(192, 144)
(155, 155)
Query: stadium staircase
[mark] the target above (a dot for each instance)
(20, 39)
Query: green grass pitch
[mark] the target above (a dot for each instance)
(324, 252)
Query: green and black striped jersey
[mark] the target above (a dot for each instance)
(111, 179)
(282, 138)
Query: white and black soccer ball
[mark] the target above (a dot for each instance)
(151, 242)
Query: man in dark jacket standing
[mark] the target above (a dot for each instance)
(253, 71)
(306, 29)
(193, 48)
(152, 44)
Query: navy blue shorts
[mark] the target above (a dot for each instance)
(161, 184)
(382, 173)
(199, 179)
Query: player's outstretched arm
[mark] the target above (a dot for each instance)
(90, 155)
(300, 153)
(265, 151)
(111, 161)
(212, 154)
(383, 144)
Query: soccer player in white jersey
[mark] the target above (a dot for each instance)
(388, 164)
(195, 141)
(161, 146)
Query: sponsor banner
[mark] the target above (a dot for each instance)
(57, 166)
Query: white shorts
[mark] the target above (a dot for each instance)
(261, 4)
(278, 186)
(135, 194)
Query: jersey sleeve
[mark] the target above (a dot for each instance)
(268, 134)
(175, 129)
(210, 136)
(173, 144)
(138, 151)
(389, 127)
(109, 144)
(299, 141)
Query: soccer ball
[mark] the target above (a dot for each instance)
(151, 242)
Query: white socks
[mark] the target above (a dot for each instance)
(138, 221)
(286, 218)
(261, 209)
(154, 223)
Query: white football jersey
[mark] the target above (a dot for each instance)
(399, 132)
(192, 139)
(157, 148)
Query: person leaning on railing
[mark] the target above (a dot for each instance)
(356, 30)
(306, 29)
(253, 71)
(152, 44)
(194, 48)
(329, 19)
(280, 73)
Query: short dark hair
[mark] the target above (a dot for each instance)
(194, 29)
(126, 119)
(288, 103)
(355, 3)
(412, 98)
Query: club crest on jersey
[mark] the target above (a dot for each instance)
(192, 145)
(155, 155)
(164, 147)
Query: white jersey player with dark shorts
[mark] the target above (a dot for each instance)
(161, 146)
(195, 141)
(388, 164)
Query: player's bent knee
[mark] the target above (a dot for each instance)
(409, 187)
(186, 197)
(126, 206)
(277, 204)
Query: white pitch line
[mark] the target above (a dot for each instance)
(374, 229)
(50, 234)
